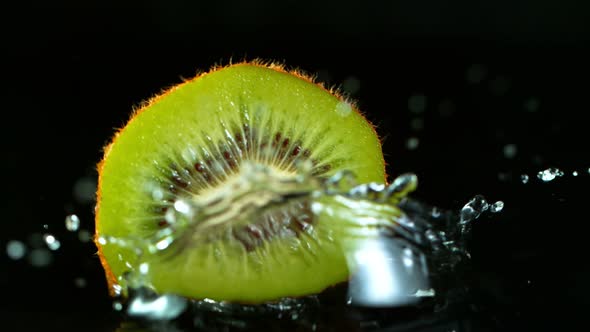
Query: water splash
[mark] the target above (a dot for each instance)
(416, 242)
(549, 174)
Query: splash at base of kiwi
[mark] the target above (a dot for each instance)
(220, 188)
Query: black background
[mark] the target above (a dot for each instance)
(71, 73)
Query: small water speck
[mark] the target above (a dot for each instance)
(537, 160)
(475, 73)
(45, 226)
(549, 174)
(417, 124)
(15, 249)
(84, 190)
(157, 194)
(40, 257)
(84, 236)
(446, 108)
(343, 108)
(510, 151)
(524, 178)
(72, 223)
(531, 105)
(143, 268)
(117, 306)
(497, 207)
(499, 85)
(412, 143)
(163, 244)
(182, 206)
(36, 240)
(435, 213)
(51, 242)
(369, 324)
(417, 103)
(351, 85)
(80, 282)
(574, 173)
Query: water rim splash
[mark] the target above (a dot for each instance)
(384, 226)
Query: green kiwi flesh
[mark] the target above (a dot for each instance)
(195, 138)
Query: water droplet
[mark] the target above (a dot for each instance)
(163, 244)
(72, 223)
(402, 185)
(412, 143)
(182, 207)
(549, 174)
(15, 249)
(497, 207)
(36, 240)
(425, 293)
(84, 236)
(473, 209)
(170, 216)
(574, 173)
(117, 306)
(351, 85)
(152, 307)
(475, 73)
(435, 213)
(51, 242)
(143, 268)
(510, 151)
(117, 289)
(102, 240)
(45, 226)
(84, 190)
(343, 108)
(446, 108)
(531, 105)
(417, 124)
(503, 176)
(40, 257)
(499, 85)
(417, 103)
(80, 282)
(157, 194)
(524, 178)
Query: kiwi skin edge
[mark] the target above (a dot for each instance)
(378, 173)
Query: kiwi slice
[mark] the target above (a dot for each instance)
(212, 166)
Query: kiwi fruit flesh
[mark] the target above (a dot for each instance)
(191, 142)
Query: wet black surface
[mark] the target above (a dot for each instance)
(72, 73)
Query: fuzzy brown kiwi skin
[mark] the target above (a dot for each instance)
(276, 66)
